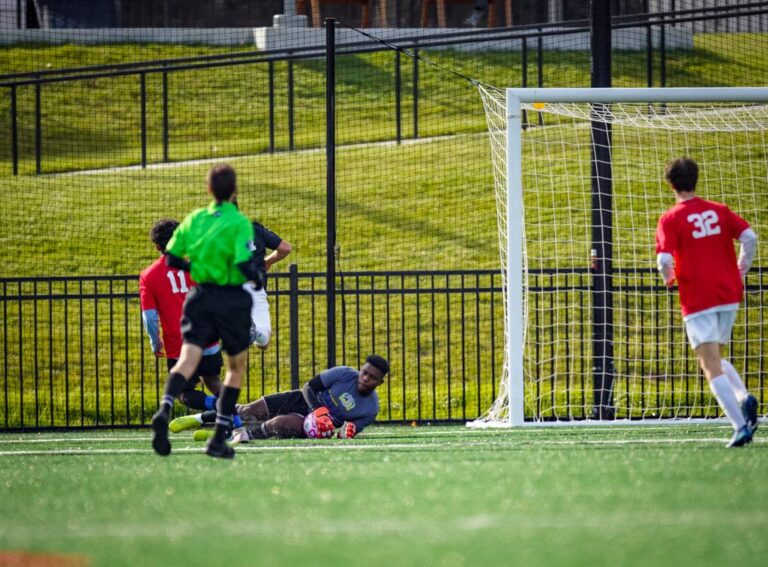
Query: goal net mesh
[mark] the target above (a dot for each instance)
(656, 375)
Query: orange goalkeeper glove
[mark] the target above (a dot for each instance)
(348, 430)
(324, 422)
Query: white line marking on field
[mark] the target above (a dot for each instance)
(235, 159)
(21, 441)
(256, 448)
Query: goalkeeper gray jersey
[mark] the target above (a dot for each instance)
(344, 401)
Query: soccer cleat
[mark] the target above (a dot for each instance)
(741, 437)
(202, 435)
(240, 435)
(749, 409)
(219, 450)
(160, 442)
(184, 422)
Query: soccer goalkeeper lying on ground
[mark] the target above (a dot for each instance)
(340, 397)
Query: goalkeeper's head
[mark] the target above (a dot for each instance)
(372, 374)
(682, 174)
(162, 231)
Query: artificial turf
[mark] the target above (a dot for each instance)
(652, 495)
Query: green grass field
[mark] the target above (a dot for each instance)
(442, 496)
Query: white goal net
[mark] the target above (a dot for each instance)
(601, 337)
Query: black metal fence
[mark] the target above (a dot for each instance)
(74, 352)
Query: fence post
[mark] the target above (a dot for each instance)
(415, 92)
(143, 89)
(293, 309)
(38, 128)
(602, 221)
(290, 105)
(663, 55)
(398, 95)
(649, 55)
(330, 202)
(166, 134)
(14, 133)
(271, 68)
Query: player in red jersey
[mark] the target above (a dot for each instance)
(694, 244)
(162, 291)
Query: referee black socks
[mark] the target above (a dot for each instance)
(225, 410)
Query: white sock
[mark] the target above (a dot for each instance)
(736, 383)
(722, 390)
(198, 417)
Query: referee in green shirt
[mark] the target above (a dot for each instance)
(215, 244)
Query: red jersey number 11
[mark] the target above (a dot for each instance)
(181, 286)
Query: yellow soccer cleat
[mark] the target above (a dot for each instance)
(185, 422)
(202, 435)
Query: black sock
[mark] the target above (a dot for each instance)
(208, 416)
(174, 385)
(193, 399)
(225, 409)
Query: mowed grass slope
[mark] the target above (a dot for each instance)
(422, 205)
(225, 111)
(394, 496)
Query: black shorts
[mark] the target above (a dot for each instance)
(285, 403)
(214, 312)
(210, 365)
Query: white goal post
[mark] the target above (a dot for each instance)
(546, 193)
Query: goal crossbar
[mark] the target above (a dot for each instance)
(609, 95)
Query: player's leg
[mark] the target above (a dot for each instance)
(175, 384)
(747, 401)
(191, 397)
(704, 333)
(290, 426)
(253, 411)
(273, 405)
(734, 379)
(225, 406)
(709, 358)
(197, 331)
(261, 322)
(209, 370)
(231, 318)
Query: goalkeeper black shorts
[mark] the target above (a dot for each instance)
(285, 403)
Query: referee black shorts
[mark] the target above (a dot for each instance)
(215, 312)
(285, 403)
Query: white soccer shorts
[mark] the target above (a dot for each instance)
(714, 327)
(261, 323)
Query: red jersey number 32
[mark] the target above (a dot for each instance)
(705, 224)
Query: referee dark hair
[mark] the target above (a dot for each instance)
(214, 244)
